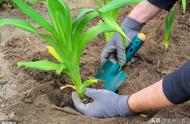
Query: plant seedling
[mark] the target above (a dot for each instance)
(169, 20)
(184, 6)
(66, 38)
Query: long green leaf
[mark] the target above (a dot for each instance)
(115, 4)
(68, 22)
(184, 6)
(91, 34)
(168, 27)
(34, 15)
(26, 26)
(57, 13)
(112, 23)
(43, 65)
(82, 13)
(20, 24)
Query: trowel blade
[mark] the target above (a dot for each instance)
(112, 75)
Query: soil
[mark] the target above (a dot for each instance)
(33, 97)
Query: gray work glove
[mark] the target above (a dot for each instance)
(105, 104)
(114, 49)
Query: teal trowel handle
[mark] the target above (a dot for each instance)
(135, 46)
(111, 73)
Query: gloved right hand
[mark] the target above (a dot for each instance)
(114, 49)
(105, 104)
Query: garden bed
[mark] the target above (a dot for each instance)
(34, 97)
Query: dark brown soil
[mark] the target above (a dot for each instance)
(32, 97)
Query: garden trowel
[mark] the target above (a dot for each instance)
(111, 72)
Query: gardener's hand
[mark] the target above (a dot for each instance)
(105, 104)
(114, 49)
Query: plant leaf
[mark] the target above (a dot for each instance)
(81, 15)
(20, 24)
(168, 27)
(91, 34)
(52, 51)
(56, 12)
(34, 15)
(111, 6)
(184, 6)
(86, 84)
(108, 36)
(43, 65)
(116, 4)
(112, 23)
(89, 82)
(62, 53)
(68, 22)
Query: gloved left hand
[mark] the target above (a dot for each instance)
(114, 49)
(105, 104)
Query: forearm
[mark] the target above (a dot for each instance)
(151, 97)
(173, 89)
(146, 10)
(143, 12)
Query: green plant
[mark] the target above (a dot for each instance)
(184, 6)
(101, 3)
(169, 20)
(113, 14)
(67, 38)
(34, 1)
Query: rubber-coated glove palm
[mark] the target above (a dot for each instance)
(105, 104)
(114, 49)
